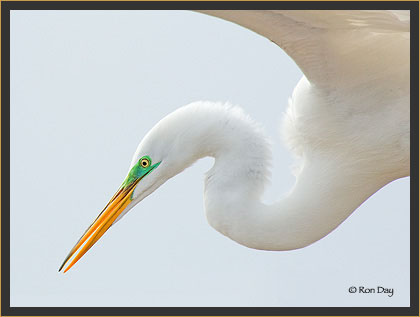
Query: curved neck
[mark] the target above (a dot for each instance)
(328, 189)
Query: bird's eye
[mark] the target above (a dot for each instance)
(144, 162)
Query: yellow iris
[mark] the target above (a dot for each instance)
(144, 162)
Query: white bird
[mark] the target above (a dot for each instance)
(348, 123)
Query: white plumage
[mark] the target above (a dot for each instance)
(347, 123)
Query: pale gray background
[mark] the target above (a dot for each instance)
(85, 88)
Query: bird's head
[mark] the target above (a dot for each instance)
(159, 156)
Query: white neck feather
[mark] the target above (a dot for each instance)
(328, 189)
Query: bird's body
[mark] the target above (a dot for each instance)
(347, 124)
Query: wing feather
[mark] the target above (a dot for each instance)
(334, 48)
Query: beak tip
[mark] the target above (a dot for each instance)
(63, 264)
(101, 224)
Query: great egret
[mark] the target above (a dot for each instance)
(347, 122)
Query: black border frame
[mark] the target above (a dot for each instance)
(6, 7)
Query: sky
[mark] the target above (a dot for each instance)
(86, 86)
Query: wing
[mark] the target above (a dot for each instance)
(334, 48)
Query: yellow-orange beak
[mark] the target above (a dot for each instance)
(106, 218)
